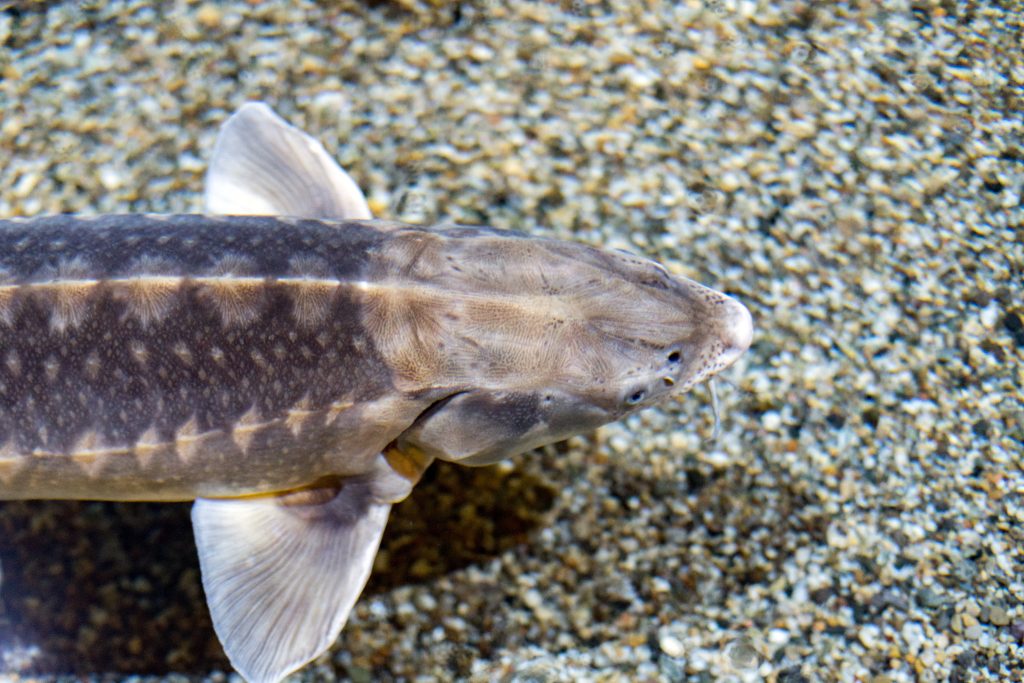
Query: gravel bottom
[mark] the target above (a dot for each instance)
(852, 171)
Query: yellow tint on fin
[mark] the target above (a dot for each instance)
(281, 573)
(409, 463)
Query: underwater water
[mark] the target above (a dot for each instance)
(851, 171)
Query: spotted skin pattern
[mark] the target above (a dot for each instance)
(155, 356)
(174, 357)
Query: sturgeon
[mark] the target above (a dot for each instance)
(293, 366)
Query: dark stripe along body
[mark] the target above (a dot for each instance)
(165, 357)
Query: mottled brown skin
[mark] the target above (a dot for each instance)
(166, 358)
(80, 389)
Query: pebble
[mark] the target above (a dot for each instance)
(771, 421)
(671, 646)
(481, 53)
(868, 635)
(914, 636)
(209, 16)
(533, 599)
(742, 656)
(998, 616)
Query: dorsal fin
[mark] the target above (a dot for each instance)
(263, 166)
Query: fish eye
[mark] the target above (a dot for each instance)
(674, 357)
(636, 397)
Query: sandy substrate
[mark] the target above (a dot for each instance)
(853, 172)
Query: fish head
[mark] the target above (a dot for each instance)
(549, 339)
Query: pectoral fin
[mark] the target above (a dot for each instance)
(482, 427)
(282, 573)
(263, 166)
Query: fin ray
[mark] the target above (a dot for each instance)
(261, 165)
(282, 573)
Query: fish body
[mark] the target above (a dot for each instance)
(296, 372)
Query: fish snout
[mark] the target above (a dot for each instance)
(737, 331)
